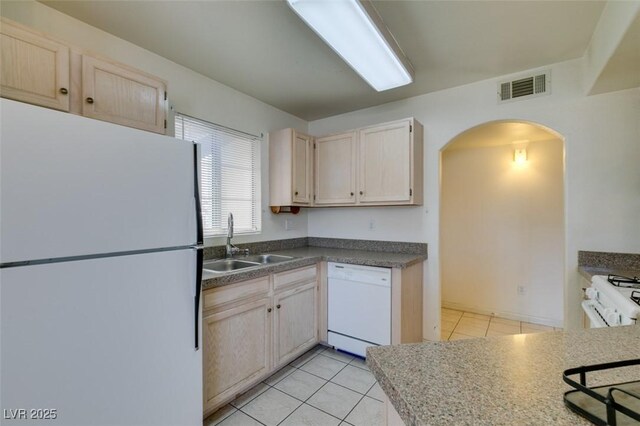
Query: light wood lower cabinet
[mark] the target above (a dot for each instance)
(296, 321)
(251, 328)
(237, 349)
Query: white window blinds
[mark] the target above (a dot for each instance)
(229, 175)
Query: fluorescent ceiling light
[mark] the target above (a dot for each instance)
(354, 30)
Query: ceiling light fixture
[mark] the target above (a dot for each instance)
(355, 31)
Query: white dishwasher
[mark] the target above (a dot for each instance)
(359, 307)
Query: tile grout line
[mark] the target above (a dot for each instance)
(455, 326)
(269, 386)
(294, 368)
(317, 390)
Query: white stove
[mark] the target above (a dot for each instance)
(612, 301)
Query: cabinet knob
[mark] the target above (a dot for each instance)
(352, 194)
(278, 306)
(269, 310)
(63, 90)
(296, 193)
(89, 100)
(361, 192)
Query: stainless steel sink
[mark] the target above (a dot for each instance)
(267, 258)
(227, 265)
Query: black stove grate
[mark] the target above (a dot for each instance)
(624, 282)
(613, 405)
(635, 296)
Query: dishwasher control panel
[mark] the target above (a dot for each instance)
(369, 274)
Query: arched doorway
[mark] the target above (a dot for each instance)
(502, 230)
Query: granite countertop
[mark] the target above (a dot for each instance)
(592, 263)
(498, 380)
(310, 255)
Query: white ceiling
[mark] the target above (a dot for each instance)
(263, 49)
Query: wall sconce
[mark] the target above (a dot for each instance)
(520, 156)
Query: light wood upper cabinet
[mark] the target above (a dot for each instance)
(390, 163)
(117, 94)
(236, 350)
(34, 69)
(296, 321)
(302, 155)
(40, 70)
(290, 177)
(335, 169)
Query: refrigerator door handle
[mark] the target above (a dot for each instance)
(196, 297)
(196, 194)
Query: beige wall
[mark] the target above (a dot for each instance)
(189, 92)
(501, 227)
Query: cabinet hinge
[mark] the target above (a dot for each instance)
(165, 124)
(410, 127)
(410, 192)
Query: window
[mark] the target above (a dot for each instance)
(229, 175)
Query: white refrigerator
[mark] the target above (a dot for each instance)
(100, 271)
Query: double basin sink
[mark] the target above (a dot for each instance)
(227, 265)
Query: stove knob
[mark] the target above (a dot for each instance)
(612, 317)
(591, 293)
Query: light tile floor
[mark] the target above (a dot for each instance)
(323, 387)
(457, 325)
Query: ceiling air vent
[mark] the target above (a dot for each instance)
(525, 87)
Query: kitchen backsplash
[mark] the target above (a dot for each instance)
(275, 245)
(598, 259)
(371, 245)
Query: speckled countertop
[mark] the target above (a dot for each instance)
(592, 263)
(507, 380)
(308, 256)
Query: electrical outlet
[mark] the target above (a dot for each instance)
(289, 224)
(521, 290)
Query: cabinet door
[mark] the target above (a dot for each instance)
(301, 168)
(34, 69)
(335, 169)
(296, 327)
(119, 95)
(236, 350)
(386, 163)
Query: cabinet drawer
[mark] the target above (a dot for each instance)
(235, 292)
(283, 279)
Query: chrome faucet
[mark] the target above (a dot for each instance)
(230, 249)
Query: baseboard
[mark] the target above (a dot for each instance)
(506, 315)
